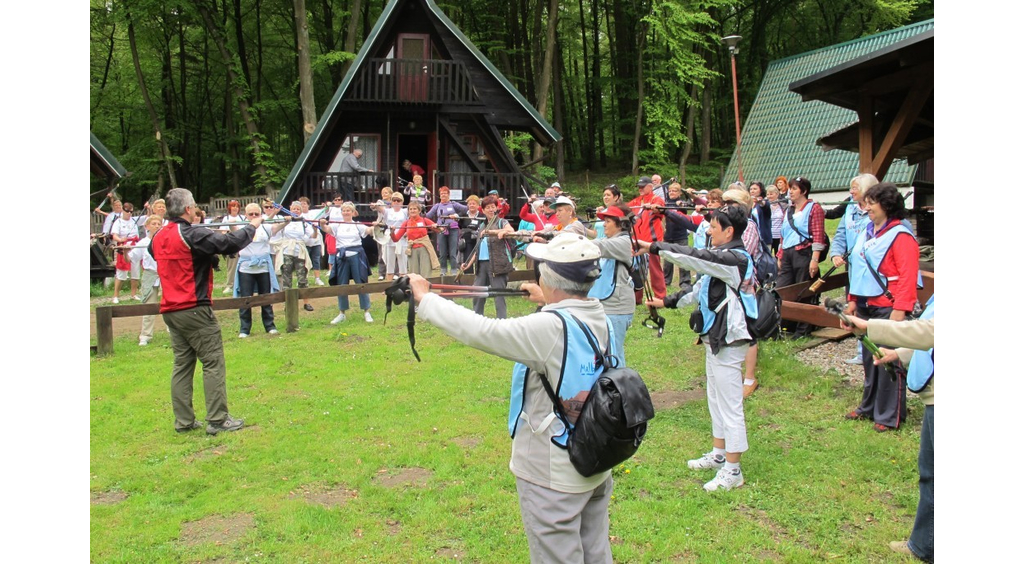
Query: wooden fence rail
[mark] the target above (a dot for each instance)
(105, 314)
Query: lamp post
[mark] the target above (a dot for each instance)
(731, 42)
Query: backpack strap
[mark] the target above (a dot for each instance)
(882, 283)
(604, 360)
(792, 224)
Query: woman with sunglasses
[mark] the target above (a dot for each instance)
(351, 263)
(394, 251)
(234, 215)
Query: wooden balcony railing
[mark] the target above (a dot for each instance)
(407, 81)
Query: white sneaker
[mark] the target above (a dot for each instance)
(855, 360)
(381, 277)
(143, 342)
(319, 282)
(339, 319)
(707, 462)
(725, 480)
(227, 290)
(394, 277)
(137, 298)
(367, 316)
(116, 301)
(273, 332)
(243, 335)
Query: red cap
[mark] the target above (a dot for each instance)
(612, 212)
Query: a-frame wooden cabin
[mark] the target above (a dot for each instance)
(419, 90)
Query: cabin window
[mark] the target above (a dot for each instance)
(370, 144)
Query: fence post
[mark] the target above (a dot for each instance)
(291, 309)
(104, 331)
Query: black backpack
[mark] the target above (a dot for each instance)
(613, 420)
(766, 269)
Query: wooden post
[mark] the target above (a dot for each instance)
(291, 309)
(104, 331)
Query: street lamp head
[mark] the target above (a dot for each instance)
(731, 42)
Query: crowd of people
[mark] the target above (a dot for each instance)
(594, 273)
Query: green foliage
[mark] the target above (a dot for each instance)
(324, 60)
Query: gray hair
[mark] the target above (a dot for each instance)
(864, 181)
(739, 186)
(177, 200)
(556, 281)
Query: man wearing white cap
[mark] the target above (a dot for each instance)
(565, 514)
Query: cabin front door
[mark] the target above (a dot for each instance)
(413, 68)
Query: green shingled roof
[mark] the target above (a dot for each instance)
(781, 131)
(105, 159)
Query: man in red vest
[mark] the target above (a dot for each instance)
(185, 255)
(649, 227)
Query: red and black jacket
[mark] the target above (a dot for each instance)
(185, 255)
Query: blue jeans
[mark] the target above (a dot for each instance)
(351, 268)
(620, 322)
(448, 249)
(922, 537)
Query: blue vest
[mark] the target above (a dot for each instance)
(700, 236)
(579, 372)
(922, 364)
(855, 224)
(604, 286)
(802, 219)
(869, 253)
(747, 299)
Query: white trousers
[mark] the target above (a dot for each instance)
(393, 251)
(725, 395)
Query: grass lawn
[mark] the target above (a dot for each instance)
(354, 451)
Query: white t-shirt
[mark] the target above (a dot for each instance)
(350, 235)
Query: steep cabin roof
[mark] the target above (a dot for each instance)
(781, 133)
(102, 162)
(503, 107)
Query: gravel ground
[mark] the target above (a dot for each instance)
(832, 355)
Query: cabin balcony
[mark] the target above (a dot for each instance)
(413, 82)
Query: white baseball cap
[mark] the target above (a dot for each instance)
(564, 200)
(570, 255)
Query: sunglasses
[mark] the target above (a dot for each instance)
(253, 214)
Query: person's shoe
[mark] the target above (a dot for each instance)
(338, 319)
(707, 462)
(879, 428)
(319, 282)
(137, 298)
(116, 301)
(227, 290)
(195, 425)
(243, 335)
(229, 424)
(749, 389)
(367, 316)
(901, 547)
(273, 332)
(381, 277)
(307, 307)
(854, 416)
(143, 341)
(725, 480)
(855, 360)
(394, 277)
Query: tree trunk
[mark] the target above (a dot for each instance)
(350, 33)
(588, 148)
(258, 153)
(639, 99)
(691, 115)
(558, 111)
(705, 123)
(165, 153)
(305, 70)
(596, 100)
(544, 85)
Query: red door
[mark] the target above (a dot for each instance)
(413, 68)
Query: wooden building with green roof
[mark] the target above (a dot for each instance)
(418, 90)
(786, 135)
(103, 164)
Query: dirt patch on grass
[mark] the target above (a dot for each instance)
(449, 554)
(352, 339)
(108, 498)
(761, 518)
(217, 529)
(336, 496)
(207, 453)
(416, 477)
(467, 442)
(673, 399)
(394, 526)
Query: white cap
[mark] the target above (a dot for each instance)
(570, 255)
(555, 185)
(564, 200)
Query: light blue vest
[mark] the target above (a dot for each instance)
(869, 254)
(748, 300)
(793, 237)
(700, 236)
(922, 364)
(604, 286)
(579, 372)
(855, 224)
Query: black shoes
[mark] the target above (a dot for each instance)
(229, 424)
(307, 307)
